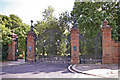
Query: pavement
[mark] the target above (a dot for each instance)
(98, 70)
(13, 63)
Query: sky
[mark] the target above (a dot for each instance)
(32, 9)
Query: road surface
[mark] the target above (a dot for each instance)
(41, 70)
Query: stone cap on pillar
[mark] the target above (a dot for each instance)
(74, 30)
(14, 36)
(106, 26)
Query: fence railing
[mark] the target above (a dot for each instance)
(53, 59)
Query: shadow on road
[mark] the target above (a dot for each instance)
(36, 68)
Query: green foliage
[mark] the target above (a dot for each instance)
(90, 17)
(22, 34)
(51, 30)
(5, 39)
(48, 14)
(5, 34)
(11, 22)
(64, 21)
(7, 23)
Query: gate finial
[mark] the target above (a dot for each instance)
(31, 25)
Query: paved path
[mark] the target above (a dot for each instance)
(13, 63)
(99, 70)
(41, 70)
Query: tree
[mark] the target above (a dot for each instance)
(90, 17)
(11, 22)
(64, 21)
(51, 30)
(7, 23)
(5, 40)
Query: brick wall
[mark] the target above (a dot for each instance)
(115, 51)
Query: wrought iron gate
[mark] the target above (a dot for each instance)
(90, 49)
(48, 47)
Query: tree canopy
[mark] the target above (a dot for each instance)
(90, 17)
(50, 30)
(7, 23)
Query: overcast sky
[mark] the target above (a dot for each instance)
(32, 9)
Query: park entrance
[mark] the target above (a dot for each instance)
(53, 46)
(75, 48)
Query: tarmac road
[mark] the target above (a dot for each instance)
(41, 70)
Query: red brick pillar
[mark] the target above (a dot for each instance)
(11, 53)
(30, 56)
(9, 57)
(106, 44)
(12, 48)
(75, 45)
